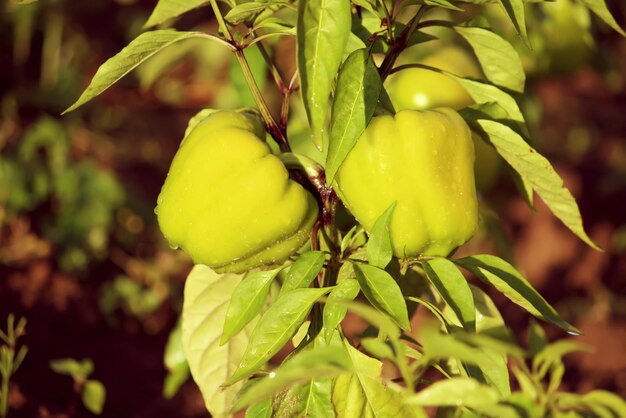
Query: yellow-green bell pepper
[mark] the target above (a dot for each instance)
(228, 202)
(423, 161)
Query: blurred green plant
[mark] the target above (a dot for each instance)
(175, 362)
(11, 358)
(540, 381)
(92, 392)
(77, 200)
(131, 297)
(560, 32)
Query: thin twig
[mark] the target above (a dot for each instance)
(271, 125)
(401, 43)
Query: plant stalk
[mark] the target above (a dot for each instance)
(272, 127)
(4, 397)
(401, 43)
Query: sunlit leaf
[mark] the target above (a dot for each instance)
(356, 96)
(247, 301)
(363, 394)
(553, 353)
(539, 173)
(383, 292)
(312, 399)
(379, 248)
(246, 11)
(303, 271)
(175, 362)
(205, 303)
(498, 59)
(78, 370)
(94, 396)
(322, 32)
(457, 391)
(515, 10)
(334, 312)
(262, 409)
(301, 368)
(506, 279)
(140, 49)
(277, 325)
(169, 9)
(453, 288)
(599, 8)
(487, 93)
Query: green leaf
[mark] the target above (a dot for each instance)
(599, 8)
(539, 173)
(303, 271)
(606, 399)
(454, 289)
(301, 334)
(495, 342)
(525, 382)
(174, 354)
(376, 318)
(362, 394)
(379, 249)
(486, 93)
(383, 292)
(457, 391)
(175, 362)
(169, 9)
(491, 369)
(246, 11)
(492, 111)
(346, 240)
(369, 5)
(205, 303)
(78, 370)
(262, 409)
(557, 370)
(275, 328)
(356, 96)
(442, 3)
(298, 370)
(174, 379)
(515, 10)
(445, 320)
(312, 399)
(552, 353)
(247, 301)
(498, 59)
(322, 32)
(378, 348)
(139, 50)
(506, 279)
(94, 396)
(537, 339)
(485, 364)
(275, 25)
(488, 318)
(334, 312)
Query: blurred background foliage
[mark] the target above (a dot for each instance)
(82, 258)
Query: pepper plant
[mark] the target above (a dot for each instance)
(364, 218)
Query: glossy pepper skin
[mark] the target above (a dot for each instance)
(424, 161)
(228, 202)
(422, 89)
